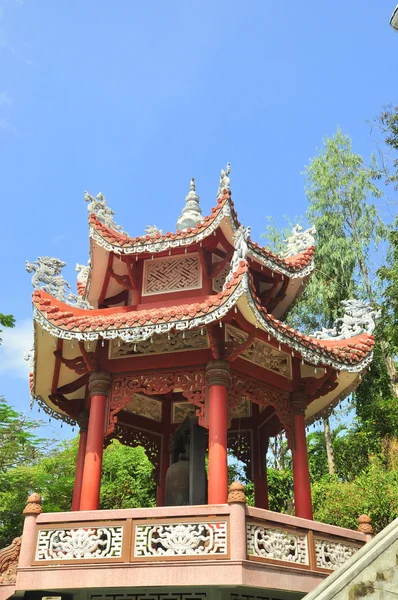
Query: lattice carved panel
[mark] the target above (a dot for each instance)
(219, 280)
(175, 341)
(151, 442)
(277, 544)
(82, 543)
(190, 383)
(204, 539)
(172, 274)
(260, 353)
(332, 554)
(242, 388)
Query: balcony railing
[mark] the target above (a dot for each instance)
(189, 533)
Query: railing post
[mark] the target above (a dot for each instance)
(237, 502)
(365, 526)
(31, 510)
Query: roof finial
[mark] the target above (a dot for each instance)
(191, 213)
(225, 182)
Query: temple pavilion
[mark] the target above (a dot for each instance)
(176, 342)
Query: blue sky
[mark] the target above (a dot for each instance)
(134, 98)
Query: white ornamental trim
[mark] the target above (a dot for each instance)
(139, 334)
(162, 246)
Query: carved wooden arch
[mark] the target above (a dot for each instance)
(191, 383)
(255, 391)
(151, 442)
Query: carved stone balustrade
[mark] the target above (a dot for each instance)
(195, 545)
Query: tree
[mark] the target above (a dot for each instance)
(6, 321)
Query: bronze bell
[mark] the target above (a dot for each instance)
(177, 483)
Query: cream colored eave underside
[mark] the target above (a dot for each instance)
(45, 365)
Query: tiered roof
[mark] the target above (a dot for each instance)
(69, 318)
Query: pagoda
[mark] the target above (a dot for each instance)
(176, 342)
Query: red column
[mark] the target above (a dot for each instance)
(81, 453)
(217, 376)
(99, 384)
(301, 474)
(165, 455)
(260, 445)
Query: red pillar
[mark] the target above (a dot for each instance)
(165, 455)
(217, 376)
(260, 445)
(99, 384)
(81, 453)
(301, 474)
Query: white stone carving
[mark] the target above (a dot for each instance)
(240, 241)
(152, 230)
(260, 353)
(299, 240)
(99, 207)
(191, 213)
(47, 277)
(180, 539)
(172, 274)
(358, 318)
(82, 273)
(225, 182)
(332, 555)
(277, 544)
(82, 543)
(161, 344)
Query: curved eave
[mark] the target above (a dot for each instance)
(66, 322)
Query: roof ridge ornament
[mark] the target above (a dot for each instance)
(240, 241)
(225, 182)
(152, 230)
(47, 277)
(299, 240)
(359, 317)
(98, 206)
(191, 214)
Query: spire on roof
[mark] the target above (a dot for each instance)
(191, 213)
(225, 182)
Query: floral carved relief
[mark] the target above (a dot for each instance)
(277, 544)
(332, 555)
(180, 539)
(82, 543)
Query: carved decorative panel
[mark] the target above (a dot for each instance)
(246, 388)
(145, 407)
(277, 544)
(175, 341)
(243, 409)
(260, 353)
(332, 555)
(219, 280)
(182, 410)
(190, 383)
(172, 274)
(151, 442)
(152, 540)
(92, 543)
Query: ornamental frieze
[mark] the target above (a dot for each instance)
(175, 341)
(190, 383)
(260, 353)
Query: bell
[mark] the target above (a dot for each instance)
(177, 483)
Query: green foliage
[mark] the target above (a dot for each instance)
(374, 492)
(6, 321)
(18, 442)
(280, 490)
(127, 480)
